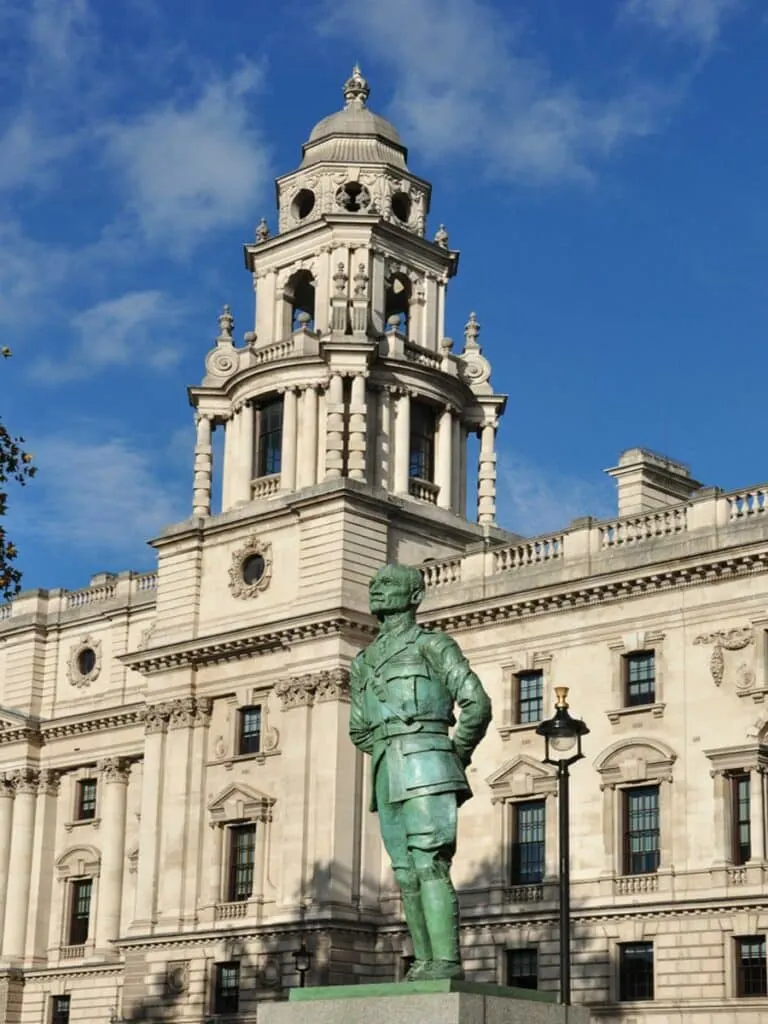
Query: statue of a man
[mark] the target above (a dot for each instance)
(404, 689)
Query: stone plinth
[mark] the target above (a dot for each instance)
(425, 1002)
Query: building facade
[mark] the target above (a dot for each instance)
(180, 806)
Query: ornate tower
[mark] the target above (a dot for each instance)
(347, 375)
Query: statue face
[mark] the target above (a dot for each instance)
(391, 590)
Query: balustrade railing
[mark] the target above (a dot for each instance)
(6, 611)
(530, 552)
(441, 574)
(265, 486)
(634, 529)
(525, 894)
(91, 595)
(747, 504)
(229, 911)
(424, 490)
(271, 353)
(423, 356)
(72, 952)
(631, 885)
(147, 581)
(737, 876)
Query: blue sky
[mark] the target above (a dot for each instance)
(601, 166)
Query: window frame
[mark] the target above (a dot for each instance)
(516, 876)
(642, 698)
(243, 736)
(220, 1003)
(623, 994)
(740, 989)
(741, 852)
(627, 794)
(80, 805)
(509, 954)
(269, 438)
(250, 829)
(422, 437)
(55, 1016)
(75, 920)
(520, 677)
(638, 642)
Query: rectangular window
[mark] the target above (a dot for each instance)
(522, 968)
(751, 978)
(60, 1010)
(635, 971)
(269, 437)
(641, 830)
(86, 799)
(530, 696)
(640, 678)
(249, 739)
(80, 911)
(740, 824)
(528, 843)
(226, 993)
(422, 447)
(242, 853)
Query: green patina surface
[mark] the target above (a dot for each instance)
(412, 988)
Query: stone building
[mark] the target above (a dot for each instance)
(180, 807)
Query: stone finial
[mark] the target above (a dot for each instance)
(262, 230)
(441, 237)
(471, 332)
(356, 89)
(226, 324)
(446, 345)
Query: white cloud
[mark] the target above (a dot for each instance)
(103, 495)
(531, 500)
(192, 168)
(467, 87)
(115, 332)
(695, 21)
(60, 32)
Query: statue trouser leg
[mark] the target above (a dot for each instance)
(395, 836)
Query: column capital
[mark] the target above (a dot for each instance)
(114, 769)
(155, 717)
(24, 780)
(181, 713)
(48, 782)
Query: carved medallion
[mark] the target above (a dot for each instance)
(251, 568)
(84, 662)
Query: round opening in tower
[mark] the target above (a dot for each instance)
(86, 661)
(253, 569)
(303, 203)
(353, 197)
(401, 206)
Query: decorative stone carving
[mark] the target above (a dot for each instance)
(474, 368)
(24, 780)
(302, 691)
(85, 654)
(203, 711)
(177, 977)
(146, 636)
(253, 547)
(156, 718)
(114, 769)
(48, 782)
(299, 691)
(727, 640)
(181, 713)
(262, 230)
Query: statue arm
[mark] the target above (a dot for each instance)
(359, 729)
(451, 667)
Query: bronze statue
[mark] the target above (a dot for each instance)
(404, 686)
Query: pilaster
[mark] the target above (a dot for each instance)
(114, 773)
(334, 428)
(402, 441)
(24, 781)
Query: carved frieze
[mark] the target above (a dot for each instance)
(114, 769)
(303, 691)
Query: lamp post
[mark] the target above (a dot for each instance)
(303, 960)
(562, 748)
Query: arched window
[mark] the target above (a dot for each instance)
(300, 299)
(397, 302)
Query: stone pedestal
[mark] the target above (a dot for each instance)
(425, 1002)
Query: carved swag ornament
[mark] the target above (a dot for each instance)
(728, 640)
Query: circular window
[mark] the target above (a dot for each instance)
(253, 569)
(401, 206)
(86, 661)
(353, 197)
(303, 203)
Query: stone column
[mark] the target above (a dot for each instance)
(308, 446)
(215, 892)
(114, 785)
(334, 430)
(201, 499)
(25, 782)
(196, 809)
(444, 468)
(231, 439)
(156, 725)
(6, 813)
(244, 465)
(384, 448)
(175, 811)
(757, 814)
(288, 453)
(458, 464)
(402, 442)
(486, 475)
(41, 870)
(357, 428)
(722, 845)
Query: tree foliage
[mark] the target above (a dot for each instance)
(15, 468)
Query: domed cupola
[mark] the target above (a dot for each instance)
(353, 162)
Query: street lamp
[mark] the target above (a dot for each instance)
(303, 960)
(562, 747)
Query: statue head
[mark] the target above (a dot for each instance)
(395, 588)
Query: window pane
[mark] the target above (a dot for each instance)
(522, 968)
(528, 843)
(227, 991)
(640, 669)
(641, 836)
(250, 730)
(530, 690)
(635, 971)
(270, 431)
(60, 1010)
(422, 444)
(751, 967)
(80, 912)
(86, 802)
(742, 832)
(242, 858)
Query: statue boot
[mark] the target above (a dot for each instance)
(417, 926)
(441, 912)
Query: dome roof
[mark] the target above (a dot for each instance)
(355, 133)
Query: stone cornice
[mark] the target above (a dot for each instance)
(94, 722)
(582, 593)
(242, 643)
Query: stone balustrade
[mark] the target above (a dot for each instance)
(632, 885)
(230, 911)
(126, 587)
(265, 486)
(424, 490)
(517, 556)
(441, 574)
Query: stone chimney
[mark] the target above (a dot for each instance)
(647, 481)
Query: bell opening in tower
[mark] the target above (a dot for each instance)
(397, 303)
(299, 298)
